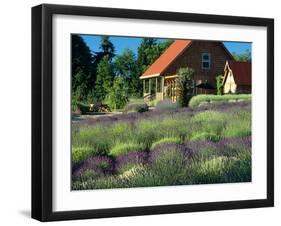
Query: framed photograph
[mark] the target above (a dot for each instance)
(145, 112)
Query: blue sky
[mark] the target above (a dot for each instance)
(120, 43)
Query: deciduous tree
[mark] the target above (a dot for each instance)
(118, 96)
(126, 67)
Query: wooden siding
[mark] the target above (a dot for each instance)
(191, 57)
(244, 89)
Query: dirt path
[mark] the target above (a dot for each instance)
(93, 115)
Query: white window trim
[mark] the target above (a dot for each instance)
(205, 61)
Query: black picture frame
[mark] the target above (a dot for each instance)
(42, 111)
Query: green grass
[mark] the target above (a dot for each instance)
(196, 100)
(153, 103)
(135, 100)
(166, 105)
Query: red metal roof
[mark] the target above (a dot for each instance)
(169, 55)
(242, 72)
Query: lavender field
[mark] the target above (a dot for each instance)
(181, 146)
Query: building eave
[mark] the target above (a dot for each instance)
(150, 76)
(170, 76)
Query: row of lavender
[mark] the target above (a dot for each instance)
(210, 144)
(100, 168)
(132, 117)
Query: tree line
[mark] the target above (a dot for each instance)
(245, 56)
(104, 76)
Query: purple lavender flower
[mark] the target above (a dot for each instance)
(226, 144)
(223, 146)
(132, 158)
(135, 116)
(165, 147)
(199, 145)
(99, 166)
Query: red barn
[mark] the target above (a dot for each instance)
(237, 77)
(207, 58)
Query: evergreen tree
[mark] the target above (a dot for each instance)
(104, 78)
(107, 47)
(147, 53)
(104, 70)
(164, 45)
(83, 75)
(149, 50)
(80, 86)
(125, 64)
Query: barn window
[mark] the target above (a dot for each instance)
(206, 61)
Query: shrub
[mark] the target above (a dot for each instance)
(93, 167)
(77, 97)
(207, 116)
(119, 130)
(166, 140)
(129, 160)
(219, 81)
(131, 172)
(81, 153)
(93, 137)
(153, 103)
(239, 168)
(84, 108)
(209, 124)
(118, 96)
(123, 148)
(239, 124)
(205, 136)
(166, 104)
(98, 183)
(196, 100)
(239, 129)
(136, 107)
(168, 167)
(207, 152)
(185, 85)
(136, 100)
(146, 132)
(74, 105)
(209, 171)
(85, 175)
(181, 147)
